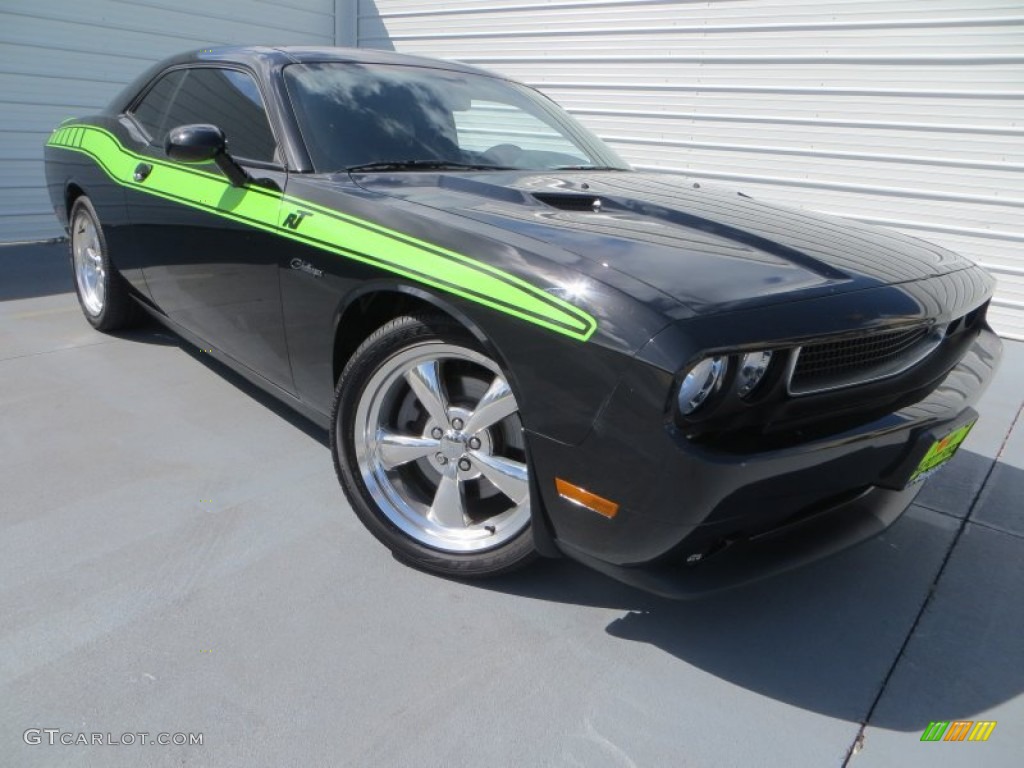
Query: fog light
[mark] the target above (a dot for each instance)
(752, 369)
(703, 379)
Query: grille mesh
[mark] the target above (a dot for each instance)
(849, 361)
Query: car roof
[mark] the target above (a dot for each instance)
(279, 56)
(268, 59)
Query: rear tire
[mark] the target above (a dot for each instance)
(103, 293)
(430, 450)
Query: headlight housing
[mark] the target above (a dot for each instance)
(752, 368)
(700, 382)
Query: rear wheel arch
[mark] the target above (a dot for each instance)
(71, 193)
(103, 293)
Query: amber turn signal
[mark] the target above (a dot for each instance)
(585, 498)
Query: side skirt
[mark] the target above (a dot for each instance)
(321, 420)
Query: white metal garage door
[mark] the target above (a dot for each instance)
(61, 58)
(908, 113)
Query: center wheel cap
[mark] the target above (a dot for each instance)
(453, 445)
(456, 446)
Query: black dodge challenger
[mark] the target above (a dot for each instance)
(519, 344)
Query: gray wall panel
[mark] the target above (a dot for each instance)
(69, 57)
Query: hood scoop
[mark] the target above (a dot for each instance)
(570, 201)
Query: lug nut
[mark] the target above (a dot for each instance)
(474, 443)
(437, 433)
(465, 465)
(457, 423)
(441, 458)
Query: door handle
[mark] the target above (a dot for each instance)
(142, 170)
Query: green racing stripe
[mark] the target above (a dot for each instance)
(329, 230)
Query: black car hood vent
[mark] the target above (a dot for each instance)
(570, 202)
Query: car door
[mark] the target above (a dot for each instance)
(207, 269)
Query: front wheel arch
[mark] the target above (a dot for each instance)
(369, 307)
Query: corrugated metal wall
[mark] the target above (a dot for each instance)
(62, 58)
(907, 113)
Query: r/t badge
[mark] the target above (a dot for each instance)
(294, 219)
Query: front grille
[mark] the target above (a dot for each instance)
(846, 362)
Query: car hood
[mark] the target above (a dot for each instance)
(705, 247)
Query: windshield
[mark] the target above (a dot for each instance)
(386, 117)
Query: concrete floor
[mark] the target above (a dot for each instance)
(176, 556)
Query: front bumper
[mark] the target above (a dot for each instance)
(752, 558)
(694, 520)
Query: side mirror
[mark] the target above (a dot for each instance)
(201, 143)
(195, 143)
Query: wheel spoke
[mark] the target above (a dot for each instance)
(449, 507)
(395, 450)
(495, 405)
(425, 381)
(509, 477)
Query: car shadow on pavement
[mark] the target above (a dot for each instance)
(34, 269)
(824, 638)
(152, 332)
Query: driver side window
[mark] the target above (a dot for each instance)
(227, 98)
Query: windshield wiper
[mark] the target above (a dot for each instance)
(585, 168)
(424, 165)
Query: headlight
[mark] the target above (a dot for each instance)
(701, 381)
(752, 368)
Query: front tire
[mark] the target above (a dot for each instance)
(430, 450)
(102, 292)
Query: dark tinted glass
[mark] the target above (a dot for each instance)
(151, 110)
(351, 114)
(230, 100)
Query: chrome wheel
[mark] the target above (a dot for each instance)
(439, 446)
(90, 272)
